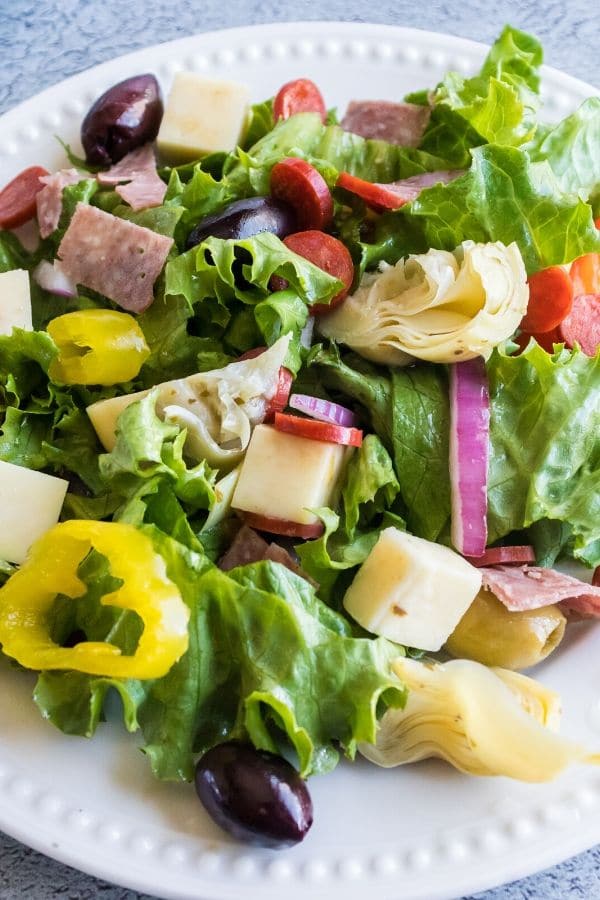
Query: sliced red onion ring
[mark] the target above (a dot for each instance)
(469, 451)
(52, 278)
(323, 410)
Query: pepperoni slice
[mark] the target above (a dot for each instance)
(550, 300)
(546, 339)
(278, 401)
(379, 196)
(318, 431)
(582, 325)
(283, 526)
(504, 556)
(298, 96)
(298, 183)
(328, 254)
(17, 199)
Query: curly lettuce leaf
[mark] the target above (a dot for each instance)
(498, 105)
(505, 197)
(545, 446)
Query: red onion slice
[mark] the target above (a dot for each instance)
(52, 278)
(469, 451)
(323, 410)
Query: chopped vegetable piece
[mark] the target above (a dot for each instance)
(298, 183)
(51, 568)
(582, 325)
(97, 346)
(51, 278)
(273, 525)
(469, 451)
(497, 556)
(298, 96)
(550, 299)
(474, 718)
(585, 274)
(328, 254)
(546, 339)
(17, 198)
(323, 410)
(318, 431)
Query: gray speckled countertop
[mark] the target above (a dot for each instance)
(43, 42)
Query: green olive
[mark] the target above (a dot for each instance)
(488, 633)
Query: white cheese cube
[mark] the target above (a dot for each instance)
(412, 591)
(15, 301)
(30, 504)
(202, 115)
(283, 476)
(104, 414)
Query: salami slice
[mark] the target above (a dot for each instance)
(532, 587)
(49, 199)
(394, 194)
(145, 188)
(396, 123)
(114, 257)
(582, 325)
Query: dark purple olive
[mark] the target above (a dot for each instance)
(245, 218)
(126, 116)
(256, 796)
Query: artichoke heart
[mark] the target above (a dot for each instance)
(482, 721)
(438, 306)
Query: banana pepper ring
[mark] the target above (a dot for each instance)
(26, 602)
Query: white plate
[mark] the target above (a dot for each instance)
(420, 832)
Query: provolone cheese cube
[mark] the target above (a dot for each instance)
(30, 504)
(15, 301)
(202, 115)
(104, 414)
(412, 591)
(283, 476)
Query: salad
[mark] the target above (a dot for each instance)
(300, 419)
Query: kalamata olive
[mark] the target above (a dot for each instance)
(245, 218)
(126, 116)
(256, 796)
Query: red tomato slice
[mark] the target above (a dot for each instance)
(328, 254)
(300, 95)
(17, 199)
(318, 431)
(582, 325)
(504, 556)
(379, 196)
(585, 274)
(283, 526)
(298, 183)
(550, 300)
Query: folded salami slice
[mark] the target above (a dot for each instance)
(49, 199)
(532, 587)
(249, 547)
(114, 257)
(396, 123)
(145, 187)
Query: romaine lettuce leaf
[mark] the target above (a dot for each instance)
(267, 661)
(408, 409)
(545, 445)
(505, 197)
(572, 149)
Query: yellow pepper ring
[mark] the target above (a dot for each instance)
(27, 598)
(97, 346)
